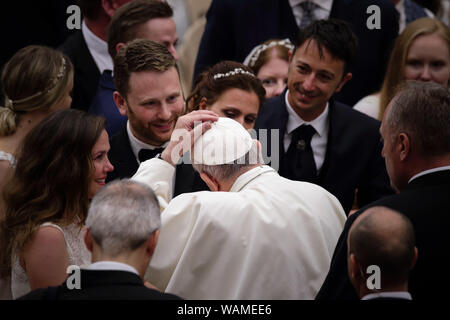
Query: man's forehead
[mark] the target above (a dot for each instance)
(310, 50)
(148, 79)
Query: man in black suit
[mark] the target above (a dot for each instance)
(149, 93)
(320, 140)
(122, 231)
(88, 50)
(234, 28)
(416, 148)
(138, 19)
(381, 253)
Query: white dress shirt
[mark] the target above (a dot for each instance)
(267, 238)
(137, 145)
(112, 265)
(429, 171)
(98, 49)
(394, 294)
(322, 12)
(319, 139)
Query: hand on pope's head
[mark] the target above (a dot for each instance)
(187, 129)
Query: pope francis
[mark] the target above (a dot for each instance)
(255, 235)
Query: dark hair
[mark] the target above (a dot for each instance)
(334, 35)
(206, 86)
(126, 21)
(90, 8)
(422, 111)
(52, 178)
(140, 55)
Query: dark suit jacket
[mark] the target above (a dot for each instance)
(426, 202)
(102, 285)
(125, 165)
(103, 104)
(87, 75)
(234, 28)
(353, 154)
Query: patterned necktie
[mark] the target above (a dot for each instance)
(145, 154)
(308, 17)
(300, 164)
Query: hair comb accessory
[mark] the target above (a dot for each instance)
(232, 73)
(60, 74)
(9, 103)
(256, 52)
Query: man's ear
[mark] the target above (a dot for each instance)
(119, 46)
(404, 146)
(121, 104)
(344, 80)
(203, 105)
(88, 240)
(151, 243)
(110, 6)
(210, 182)
(416, 256)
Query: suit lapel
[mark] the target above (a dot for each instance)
(332, 154)
(88, 66)
(122, 155)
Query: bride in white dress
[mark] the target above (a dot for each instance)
(62, 164)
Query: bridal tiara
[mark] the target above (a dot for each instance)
(232, 73)
(256, 52)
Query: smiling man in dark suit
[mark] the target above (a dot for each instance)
(416, 149)
(149, 93)
(234, 28)
(323, 141)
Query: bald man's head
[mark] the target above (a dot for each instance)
(385, 238)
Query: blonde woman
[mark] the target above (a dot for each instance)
(36, 81)
(421, 52)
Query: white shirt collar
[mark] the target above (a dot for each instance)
(429, 171)
(393, 294)
(248, 176)
(324, 4)
(137, 145)
(98, 49)
(112, 265)
(295, 121)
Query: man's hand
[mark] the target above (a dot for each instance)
(187, 129)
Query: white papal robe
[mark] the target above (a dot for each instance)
(268, 238)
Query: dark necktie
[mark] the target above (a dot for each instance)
(308, 16)
(300, 164)
(145, 154)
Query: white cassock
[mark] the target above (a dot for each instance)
(268, 238)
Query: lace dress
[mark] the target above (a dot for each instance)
(78, 255)
(8, 157)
